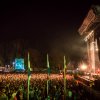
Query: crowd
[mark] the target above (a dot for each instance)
(14, 87)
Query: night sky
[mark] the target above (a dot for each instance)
(46, 25)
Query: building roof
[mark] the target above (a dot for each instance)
(91, 21)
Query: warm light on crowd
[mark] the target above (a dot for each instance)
(33, 76)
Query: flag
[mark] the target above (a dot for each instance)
(48, 66)
(64, 66)
(28, 76)
(28, 65)
(48, 69)
(64, 78)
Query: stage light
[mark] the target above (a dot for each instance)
(83, 67)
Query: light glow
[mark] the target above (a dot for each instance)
(83, 67)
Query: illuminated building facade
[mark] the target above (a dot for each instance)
(90, 30)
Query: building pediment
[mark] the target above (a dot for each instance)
(91, 21)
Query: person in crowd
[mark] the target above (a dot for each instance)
(14, 87)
